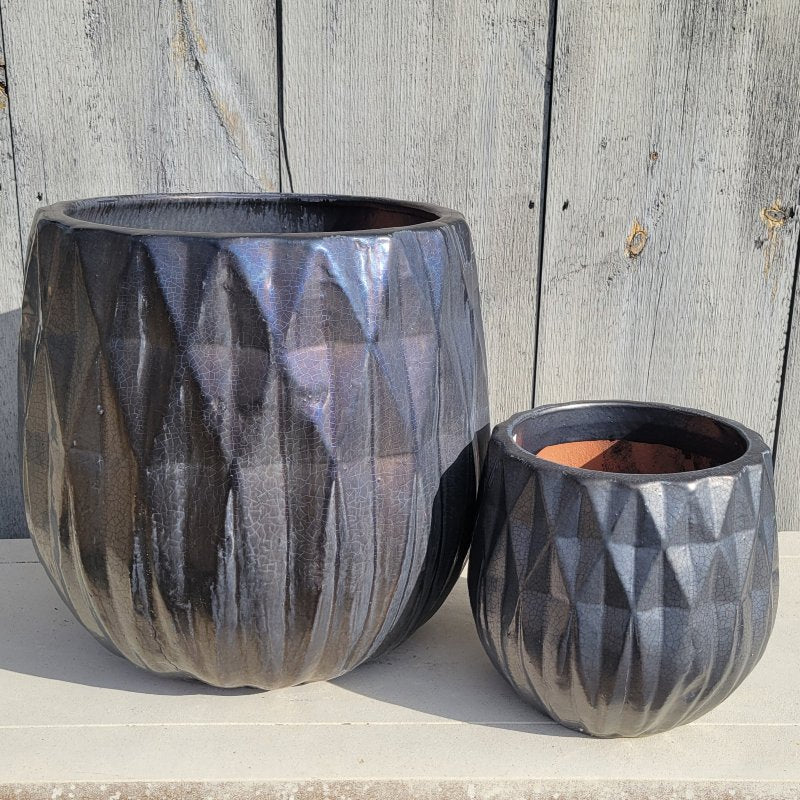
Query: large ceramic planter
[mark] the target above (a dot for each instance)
(624, 571)
(251, 425)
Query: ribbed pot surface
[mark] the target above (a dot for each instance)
(251, 425)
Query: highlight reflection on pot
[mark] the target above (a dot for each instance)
(252, 425)
(624, 569)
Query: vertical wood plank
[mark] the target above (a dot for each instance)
(130, 96)
(787, 445)
(440, 101)
(677, 117)
(11, 517)
(136, 96)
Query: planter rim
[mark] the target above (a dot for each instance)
(755, 450)
(62, 213)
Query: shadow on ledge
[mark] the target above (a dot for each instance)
(441, 670)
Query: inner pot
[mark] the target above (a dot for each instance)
(629, 438)
(253, 215)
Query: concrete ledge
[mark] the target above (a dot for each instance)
(400, 790)
(431, 719)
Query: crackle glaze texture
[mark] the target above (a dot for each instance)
(624, 604)
(251, 426)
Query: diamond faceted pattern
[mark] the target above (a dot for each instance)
(252, 460)
(623, 607)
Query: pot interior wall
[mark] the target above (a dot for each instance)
(617, 437)
(247, 215)
(623, 455)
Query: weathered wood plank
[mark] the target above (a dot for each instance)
(176, 95)
(11, 517)
(787, 445)
(131, 96)
(439, 101)
(677, 117)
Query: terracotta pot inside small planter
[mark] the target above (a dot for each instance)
(629, 438)
(622, 455)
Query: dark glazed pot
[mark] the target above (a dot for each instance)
(251, 425)
(624, 602)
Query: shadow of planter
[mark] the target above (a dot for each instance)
(12, 517)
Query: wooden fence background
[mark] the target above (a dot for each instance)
(630, 170)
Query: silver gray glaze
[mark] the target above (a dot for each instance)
(251, 425)
(624, 604)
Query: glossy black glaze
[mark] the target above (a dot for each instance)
(624, 604)
(251, 425)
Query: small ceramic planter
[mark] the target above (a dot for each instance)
(252, 425)
(624, 571)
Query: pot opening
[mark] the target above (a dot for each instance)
(632, 439)
(624, 455)
(248, 214)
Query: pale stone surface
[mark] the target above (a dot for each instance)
(432, 718)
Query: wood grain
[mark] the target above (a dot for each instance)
(677, 118)
(438, 101)
(787, 445)
(11, 516)
(131, 96)
(177, 95)
(673, 170)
